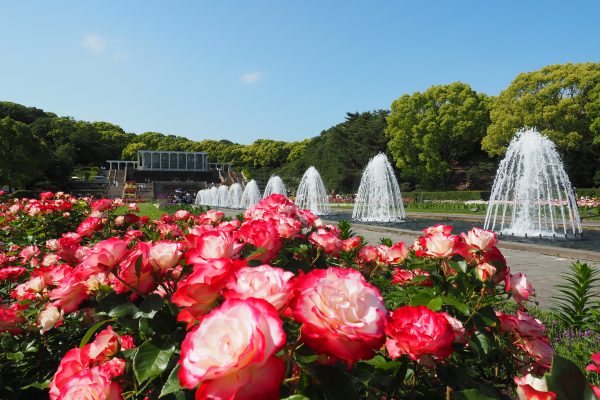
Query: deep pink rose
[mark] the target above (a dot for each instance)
(419, 333)
(368, 254)
(102, 205)
(263, 235)
(198, 292)
(396, 254)
(351, 243)
(342, 315)
(105, 254)
(521, 325)
(540, 350)
(326, 240)
(69, 293)
(404, 277)
(12, 273)
(520, 288)
(133, 279)
(262, 282)
(181, 215)
(595, 365)
(212, 244)
(10, 318)
(231, 353)
(89, 226)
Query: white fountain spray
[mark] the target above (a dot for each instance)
(274, 186)
(234, 196)
(379, 198)
(208, 197)
(222, 194)
(532, 194)
(311, 193)
(251, 195)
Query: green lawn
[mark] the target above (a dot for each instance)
(145, 209)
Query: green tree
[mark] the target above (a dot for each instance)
(561, 102)
(433, 131)
(265, 153)
(22, 154)
(339, 153)
(130, 151)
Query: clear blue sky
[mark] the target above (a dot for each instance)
(281, 69)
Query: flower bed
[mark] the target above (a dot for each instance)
(273, 304)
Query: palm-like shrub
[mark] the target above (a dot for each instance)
(575, 301)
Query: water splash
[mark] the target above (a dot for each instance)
(222, 196)
(251, 195)
(208, 197)
(234, 196)
(379, 198)
(532, 194)
(311, 193)
(275, 186)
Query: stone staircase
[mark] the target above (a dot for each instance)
(116, 183)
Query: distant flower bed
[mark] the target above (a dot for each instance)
(99, 305)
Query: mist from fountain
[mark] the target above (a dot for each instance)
(234, 196)
(378, 198)
(251, 195)
(274, 186)
(311, 193)
(532, 194)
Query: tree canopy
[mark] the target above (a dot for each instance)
(435, 138)
(21, 154)
(430, 132)
(560, 101)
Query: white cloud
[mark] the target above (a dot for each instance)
(94, 42)
(252, 77)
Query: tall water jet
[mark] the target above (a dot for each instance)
(234, 196)
(532, 194)
(379, 198)
(213, 196)
(222, 193)
(311, 193)
(274, 186)
(251, 195)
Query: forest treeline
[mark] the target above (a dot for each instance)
(448, 136)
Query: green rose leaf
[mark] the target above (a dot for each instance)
(150, 361)
(172, 384)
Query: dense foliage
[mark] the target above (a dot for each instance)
(562, 102)
(435, 137)
(434, 131)
(99, 305)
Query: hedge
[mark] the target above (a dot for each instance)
(462, 195)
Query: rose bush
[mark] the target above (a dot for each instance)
(276, 303)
